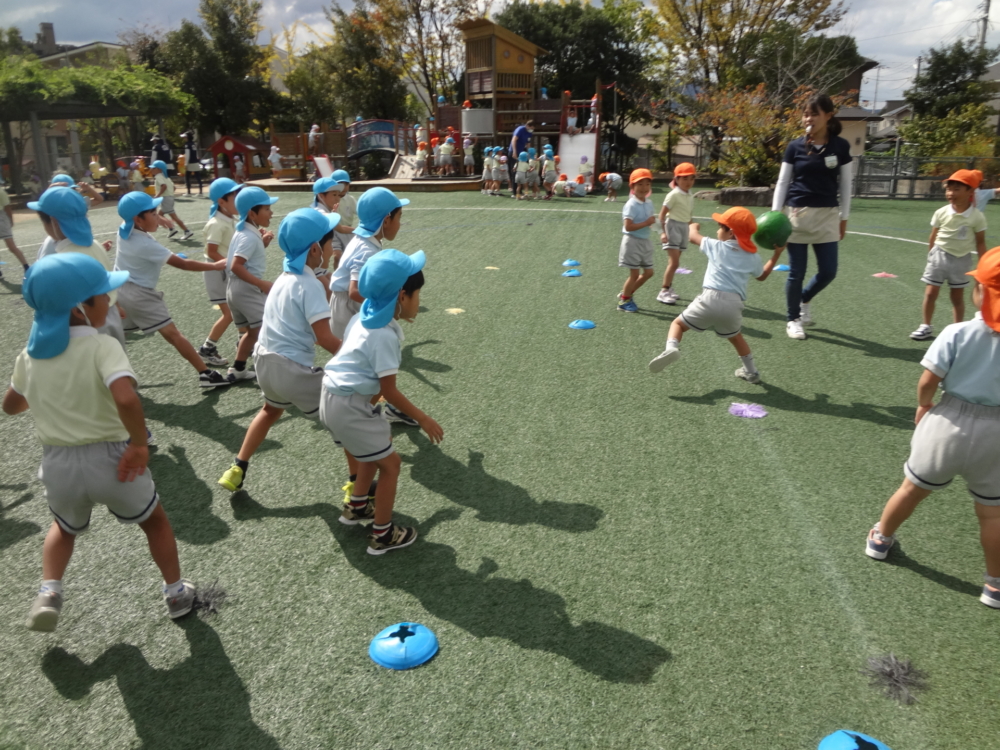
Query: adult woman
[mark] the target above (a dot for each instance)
(815, 185)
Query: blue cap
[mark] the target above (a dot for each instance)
(130, 206)
(532, 152)
(380, 282)
(449, 140)
(373, 207)
(441, 99)
(249, 197)
(324, 184)
(357, 118)
(297, 233)
(55, 285)
(69, 208)
(158, 164)
(341, 176)
(218, 190)
(63, 179)
(523, 156)
(417, 126)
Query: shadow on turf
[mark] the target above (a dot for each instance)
(494, 500)
(186, 497)
(900, 559)
(479, 602)
(869, 348)
(774, 397)
(13, 531)
(416, 366)
(200, 702)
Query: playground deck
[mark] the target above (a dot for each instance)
(396, 185)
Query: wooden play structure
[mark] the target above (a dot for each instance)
(251, 151)
(295, 155)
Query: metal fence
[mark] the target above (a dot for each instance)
(915, 177)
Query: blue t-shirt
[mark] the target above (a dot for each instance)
(366, 355)
(967, 356)
(984, 196)
(638, 211)
(729, 266)
(356, 254)
(521, 139)
(816, 172)
(142, 256)
(295, 302)
(248, 244)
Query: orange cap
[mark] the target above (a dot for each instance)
(639, 174)
(563, 177)
(579, 179)
(970, 177)
(979, 173)
(557, 158)
(435, 141)
(987, 273)
(743, 224)
(603, 176)
(467, 104)
(685, 169)
(422, 144)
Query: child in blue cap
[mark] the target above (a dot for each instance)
(246, 263)
(366, 365)
(348, 210)
(533, 172)
(218, 234)
(328, 194)
(143, 258)
(81, 390)
(164, 188)
(521, 175)
(296, 318)
(447, 158)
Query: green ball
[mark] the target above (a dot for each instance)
(773, 230)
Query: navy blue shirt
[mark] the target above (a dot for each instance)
(521, 139)
(816, 172)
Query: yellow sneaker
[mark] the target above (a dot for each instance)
(232, 480)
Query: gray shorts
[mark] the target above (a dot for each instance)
(533, 180)
(246, 303)
(551, 176)
(215, 285)
(342, 309)
(285, 383)
(497, 174)
(356, 426)
(421, 164)
(944, 267)
(957, 438)
(488, 174)
(113, 326)
(6, 231)
(520, 178)
(470, 160)
(167, 206)
(144, 308)
(677, 235)
(615, 185)
(720, 311)
(635, 252)
(447, 160)
(78, 477)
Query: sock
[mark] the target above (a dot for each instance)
(25, 266)
(240, 365)
(748, 363)
(383, 529)
(673, 343)
(209, 344)
(359, 501)
(173, 589)
(51, 585)
(244, 465)
(992, 581)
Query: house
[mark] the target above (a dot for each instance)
(894, 113)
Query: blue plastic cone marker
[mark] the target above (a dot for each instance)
(572, 272)
(846, 739)
(583, 325)
(782, 267)
(571, 262)
(403, 646)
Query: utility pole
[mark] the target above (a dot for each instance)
(985, 21)
(919, 60)
(878, 70)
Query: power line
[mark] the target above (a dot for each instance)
(910, 31)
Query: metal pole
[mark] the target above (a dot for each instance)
(878, 70)
(920, 59)
(41, 157)
(986, 24)
(895, 167)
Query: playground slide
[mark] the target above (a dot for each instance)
(572, 147)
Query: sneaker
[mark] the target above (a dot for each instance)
(44, 613)
(232, 480)
(171, 234)
(233, 375)
(795, 330)
(352, 516)
(212, 379)
(750, 377)
(188, 235)
(804, 315)
(182, 603)
(396, 538)
(627, 306)
(392, 414)
(923, 333)
(990, 597)
(212, 357)
(878, 545)
(667, 297)
(670, 355)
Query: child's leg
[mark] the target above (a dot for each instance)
(385, 492)
(258, 430)
(636, 279)
(958, 303)
(16, 251)
(677, 331)
(352, 465)
(222, 324)
(173, 215)
(742, 347)
(673, 263)
(930, 300)
(165, 221)
(989, 536)
(56, 552)
(183, 347)
(162, 545)
(900, 506)
(247, 342)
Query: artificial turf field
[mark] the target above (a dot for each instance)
(608, 558)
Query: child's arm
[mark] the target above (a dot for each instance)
(344, 229)
(267, 237)
(324, 337)
(161, 191)
(239, 270)
(14, 402)
(631, 226)
(186, 264)
(694, 234)
(926, 389)
(353, 292)
(212, 251)
(933, 238)
(90, 192)
(391, 394)
(9, 211)
(981, 243)
(133, 462)
(769, 266)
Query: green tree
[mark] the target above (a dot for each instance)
(951, 80)
(961, 132)
(310, 90)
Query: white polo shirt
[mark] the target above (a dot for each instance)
(356, 254)
(295, 302)
(365, 356)
(142, 256)
(162, 181)
(729, 266)
(967, 356)
(247, 243)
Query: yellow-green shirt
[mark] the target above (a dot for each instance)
(4, 199)
(69, 394)
(681, 205)
(219, 231)
(957, 231)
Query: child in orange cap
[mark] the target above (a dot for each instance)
(960, 435)
(612, 182)
(679, 203)
(636, 250)
(732, 260)
(957, 230)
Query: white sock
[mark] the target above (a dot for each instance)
(673, 343)
(209, 344)
(173, 589)
(51, 585)
(748, 364)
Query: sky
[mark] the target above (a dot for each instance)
(884, 34)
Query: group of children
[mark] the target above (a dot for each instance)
(534, 172)
(441, 156)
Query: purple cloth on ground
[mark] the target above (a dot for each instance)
(750, 411)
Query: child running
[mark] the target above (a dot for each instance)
(348, 210)
(142, 257)
(612, 182)
(679, 204)
(164, 188)
(88, 416)
(957, 230)
(960, 436)
(732, 260)
(636, 250)
(296, 318)
(218, 234)
(366, 365)
(7, 229)
(327, 192)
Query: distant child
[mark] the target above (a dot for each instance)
(296, 318)
(7, 229)
(549, 174)
(436, 150)
(246, 262)
(732, 260)
(275, 160)
(488, 163)
(164, 188)
(218, 234)
(559, 186)
(958, 229)
(961, 434)
(984, 195)
(679, 204)
(327, 197)
(135, 176)
(447, 158)
(534, 176)
(577, 188)
(239, 169)
(82, 391)
(636, 250)
(348, 210)
(521, 174)
(587, 172)
(143, 258)
(612, 182)
(469, 156)
(367, 364)
(421, 164)
(504, 178)
(123, 182)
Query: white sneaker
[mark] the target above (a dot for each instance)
(923, 333)
(805, 316)
(795, 330)
(668, 356)
(750, 377)
(667, 297)
(187, 235)
(233, 375)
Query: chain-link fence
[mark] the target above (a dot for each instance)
(910, 177)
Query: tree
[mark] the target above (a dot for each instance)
(951, 80)
(962, 132)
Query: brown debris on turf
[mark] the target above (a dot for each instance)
(897, 678)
